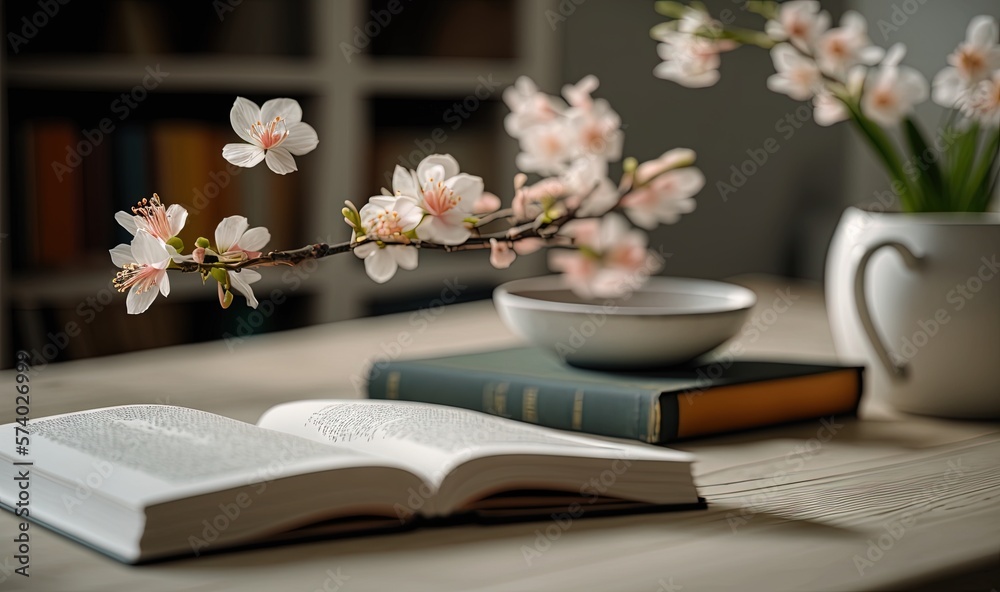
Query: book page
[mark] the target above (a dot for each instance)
(433, 439)
(144, 454)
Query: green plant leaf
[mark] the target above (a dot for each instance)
(982, 181)
(670, 9)
(961, 156)
(928, 174)
(880, 142)
(768, 10)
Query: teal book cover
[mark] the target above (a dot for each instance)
(535, 386)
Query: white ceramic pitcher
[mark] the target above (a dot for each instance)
(916, 298)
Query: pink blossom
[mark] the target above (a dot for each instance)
(664, 199)
(390, 219)
(150, 215)
(971, 62)
(983, 101)
(840, 49)
(672, 159)
(527, 246)
(892, 90)
(486, 204)
(235, 240)
(144, 269)
(528, 106)
(800, 22)
(501, 255)
(528, 200)
(273, 133)
(611, 261)
(444, 194)
(578, 95)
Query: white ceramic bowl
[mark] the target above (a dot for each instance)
(668, 321)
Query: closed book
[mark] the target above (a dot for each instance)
(534, 386)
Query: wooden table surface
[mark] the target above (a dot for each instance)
(887, 501)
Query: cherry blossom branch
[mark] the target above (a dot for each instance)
(533, 229)
(497, 215)
(293, 257)
(595, 226)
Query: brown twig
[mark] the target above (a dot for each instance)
(546, 231)
(321, 250)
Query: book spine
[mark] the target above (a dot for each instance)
(594, 409)
(132, 175)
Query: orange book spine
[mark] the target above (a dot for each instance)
(58, 194)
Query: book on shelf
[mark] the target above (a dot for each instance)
(132, 170)
(142, 482)
(67, 212)
(183, 162)
(97, 170)
(54, 194)
(535, 386)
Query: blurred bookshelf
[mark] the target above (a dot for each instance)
(110, 101)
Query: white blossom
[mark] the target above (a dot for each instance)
(893, 90)
(973, 60)
(273, 134)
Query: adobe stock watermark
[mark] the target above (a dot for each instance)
(418, 322)
(564, 10)
(759, 156)
(454, 116)
(958, 297)
(668, 585)
(880, 544)
(581, 332)
(591, 490)
(202, 197)
(229, 511)
(101, 469)
(792, 462)
(898, 17)
(914, 166)
(248, 323)
(32, 24)
(759, 324)
(333, 582)
(122, 107)
(365, 34)
(9, 567)
(57, 341)
(224, 7)
(471, 441)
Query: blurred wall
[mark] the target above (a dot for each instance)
(769, 223)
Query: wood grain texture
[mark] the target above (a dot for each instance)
(791, 508)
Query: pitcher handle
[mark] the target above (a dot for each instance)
(898, 372)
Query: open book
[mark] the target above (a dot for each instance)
(141, 482)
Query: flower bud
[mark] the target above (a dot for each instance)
(668, 161)
(629, 165)
(671, 9)
(519, 180)
(202, 243)
(226, 299)
(351, 215)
